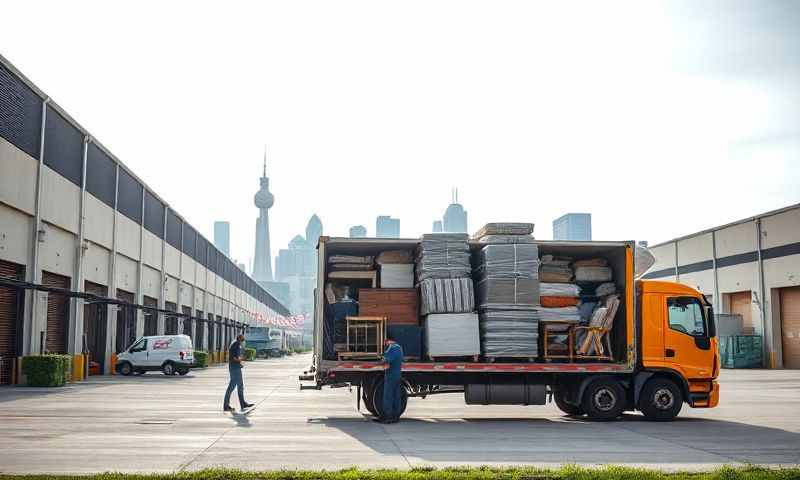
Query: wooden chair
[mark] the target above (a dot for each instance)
(596, 344)
(558, 328)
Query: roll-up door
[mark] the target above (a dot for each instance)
(187, 321)
(742, 304)
(95, 321)
(790, 326)
(212, 345)
(10, 316)
(126, 322)
(150, 317)
(199, 332)
(57, 313)
(171, 323)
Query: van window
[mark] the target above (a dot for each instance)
(686, 316)
(139, 346)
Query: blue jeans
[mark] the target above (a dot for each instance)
(236, 382)
(391, 398)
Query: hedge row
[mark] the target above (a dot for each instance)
(249, 354)
(200, 358)
(49, 370)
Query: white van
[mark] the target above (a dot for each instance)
(169, 353)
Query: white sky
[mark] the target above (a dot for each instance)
(658, 118)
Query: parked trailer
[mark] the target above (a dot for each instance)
(664, 344)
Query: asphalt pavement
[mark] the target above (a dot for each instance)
(154, 423)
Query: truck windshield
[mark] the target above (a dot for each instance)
(686, 316)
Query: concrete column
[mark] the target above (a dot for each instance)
(162, 297)
(140, 269)
(75, 339)
(32, 324)
(113, 310)
(717, 301)
(766, 327)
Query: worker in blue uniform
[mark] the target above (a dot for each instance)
(392, 382)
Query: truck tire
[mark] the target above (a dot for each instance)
(661, 400)
(604, 399)
(567, 408)
(366, 397)
(377, 399)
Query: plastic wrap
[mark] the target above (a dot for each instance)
(452, 335)
(547, 289)
(397, 275)
(504, 228)
(502, 239)
(364, 260)
(443, 255)
(507, 293)
(509, 333)
(564, 313)
(507, 277)
(446, 295)
(593, 274)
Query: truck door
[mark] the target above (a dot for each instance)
(688, 345)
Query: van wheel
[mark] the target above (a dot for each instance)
(604, 399)
(125, 368)
(661, 400)
(567, 408)
(168, 369)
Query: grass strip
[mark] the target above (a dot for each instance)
(455, 473)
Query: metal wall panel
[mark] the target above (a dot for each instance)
(189, 240)
(153, 214)
(129, 197)
(63, 147)
(20, 114)
(174, 227)
(100, 175)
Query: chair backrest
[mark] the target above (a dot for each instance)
(612, 305)
(598, 317)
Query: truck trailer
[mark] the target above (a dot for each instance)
(664, 350)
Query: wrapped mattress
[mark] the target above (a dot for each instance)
(547, 289)
(509, 333)
(443, 255)
(504, 228)
(446, 295)
(507, 277)
(592, 274)
(452, 335)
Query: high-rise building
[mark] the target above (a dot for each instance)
(262, 266)
(573, 227)
(455, 218)
(387, 227)
(296, 267)
(358, 231)
(222, 237)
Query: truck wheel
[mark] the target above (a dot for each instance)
(125, 368)
(567, 408)
(168, 369)
(661, 400)
(377, 399)
(366, 397)
(603, 399)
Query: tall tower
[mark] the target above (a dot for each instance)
(262, 266)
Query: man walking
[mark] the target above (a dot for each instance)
(235, 358)
(392, 383)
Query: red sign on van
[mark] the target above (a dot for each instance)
(162, 344)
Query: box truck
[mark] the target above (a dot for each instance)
(663, 349)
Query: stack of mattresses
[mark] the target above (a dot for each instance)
(507, 277)
(447, 295)
(396, 269)
(452, 335)
(509, 232)
(509, 333)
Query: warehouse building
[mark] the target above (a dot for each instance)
(90, 256)
(751, 268)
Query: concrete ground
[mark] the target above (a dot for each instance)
(158, 424)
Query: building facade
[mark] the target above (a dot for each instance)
(454, 219)
(574, 227)
(222, 237)
(90, 256)
(387, 227)
(358, 231)
(751, 268)
(296, 266)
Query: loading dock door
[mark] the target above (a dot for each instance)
(9, 320)
(126, 322)
(742, 304)
(790, 326)
(57, 313)
(187, 322)
(95, 326)
(150, 317)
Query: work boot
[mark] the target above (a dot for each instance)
(247, 405)
(228, 408)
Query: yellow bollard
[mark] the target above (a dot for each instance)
(77, 367)
(113, 364)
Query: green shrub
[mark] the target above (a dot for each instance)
(47, 370)
(200, 359)
(249, 354)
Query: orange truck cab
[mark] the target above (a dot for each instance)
(663, 350)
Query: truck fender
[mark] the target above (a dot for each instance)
(642, 377)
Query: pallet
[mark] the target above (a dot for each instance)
(456, 358)
(511, 358)
(359, 356)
